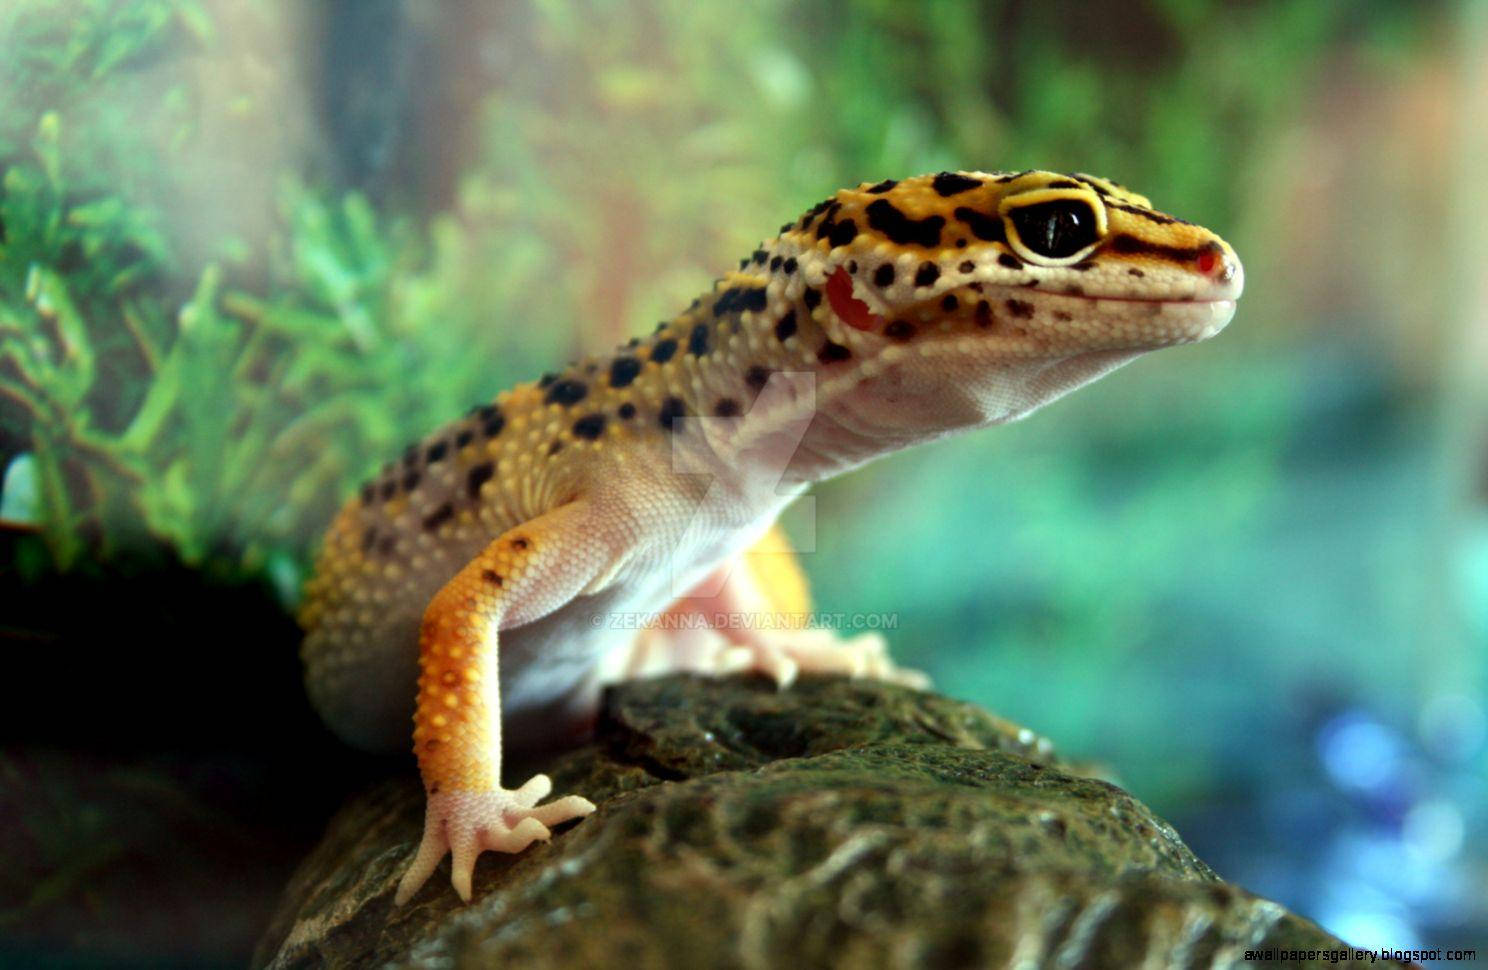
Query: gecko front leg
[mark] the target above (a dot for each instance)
(526, 573)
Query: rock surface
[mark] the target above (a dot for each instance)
(837, 824)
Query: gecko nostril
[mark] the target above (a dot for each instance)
(1212, 261)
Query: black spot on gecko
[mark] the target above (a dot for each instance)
(843, 233)
(832, 352)
(1156, 217)
(786, 325)
(589, 427)
(948, 303)
(900, 228)
(389, 489)
(494, 424)
(520, 543)
(664, 350)
(813, 212)
(775, 263)
(411, 480)
(1133, 271)
(966, 266)
(464, 438)
(1062, 317)
(983, 314)
(566, 392)
(900, 330)
(884, 275)
(546, 381)
(1009, 260)
(1083, 266)
(1074, 289)
(757, 376)
(671, 409)
(812, 298)
(1090, 183)
(789, 266)
(436, 452)
(626, 411)
(697, 342)
(478, 476)
(1020, 309)
(493, 577)
(623, 370)
(726, 407)
(984, 227)
(927, 274)
(368, 494)
(731, 301)
(1131, 244)
(438, 517)
(760, 256)
(1064, 184)
(954, 183)
(554, 448)
(883, 186)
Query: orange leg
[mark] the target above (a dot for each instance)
(526, 573)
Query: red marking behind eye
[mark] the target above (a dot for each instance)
(1207, 260)
(853, 311)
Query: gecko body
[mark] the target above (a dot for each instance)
(489, 579)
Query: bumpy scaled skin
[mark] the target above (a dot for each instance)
(518, 546)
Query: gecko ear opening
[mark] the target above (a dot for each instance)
(851, 310)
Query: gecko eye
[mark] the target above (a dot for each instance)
(1056, 229)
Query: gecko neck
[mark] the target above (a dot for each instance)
(907, 402)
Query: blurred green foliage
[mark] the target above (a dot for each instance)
(150, 407)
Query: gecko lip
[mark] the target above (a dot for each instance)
(1215, 295)
(1142, 299)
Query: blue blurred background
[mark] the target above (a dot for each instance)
(251, 249)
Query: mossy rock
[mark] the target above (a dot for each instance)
(837, 824)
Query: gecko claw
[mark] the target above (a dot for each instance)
(466, 823)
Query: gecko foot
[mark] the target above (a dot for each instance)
(783, 655)
(467, 823)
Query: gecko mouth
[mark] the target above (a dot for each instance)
(1180, 301)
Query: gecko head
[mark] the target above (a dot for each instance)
(1033, 279)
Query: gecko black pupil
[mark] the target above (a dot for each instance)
(1055, 229)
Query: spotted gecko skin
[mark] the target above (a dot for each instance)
(491, 572)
